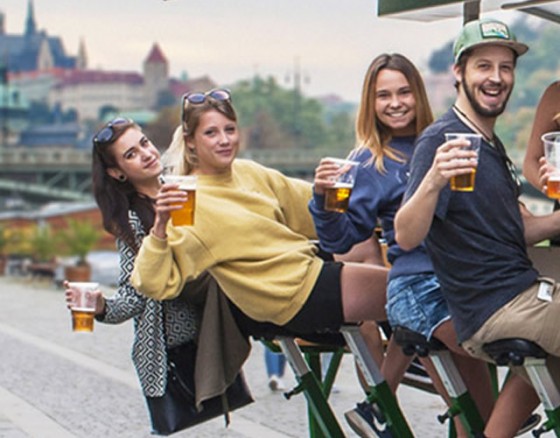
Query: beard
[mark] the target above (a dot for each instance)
(479, 109)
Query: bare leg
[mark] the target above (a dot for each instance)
(363, 292)
(394, 365)
(363, 299)
(516, 402)
(372, 338)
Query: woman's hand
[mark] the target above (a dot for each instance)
(70, 295)
(545, 171)
(168, 199)
(325, 176)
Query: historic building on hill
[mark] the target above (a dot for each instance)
(35, 49)
(38, 66)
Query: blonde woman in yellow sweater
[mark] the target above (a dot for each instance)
(253, 233)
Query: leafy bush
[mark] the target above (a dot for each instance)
(79, 237)
(43, 244)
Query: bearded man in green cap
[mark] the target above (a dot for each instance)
(477, 240)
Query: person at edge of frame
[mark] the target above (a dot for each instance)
(547, 119)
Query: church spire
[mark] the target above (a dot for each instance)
(30, 28)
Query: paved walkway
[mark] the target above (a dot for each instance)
(56, 383)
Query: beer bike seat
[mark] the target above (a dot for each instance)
(513, 351)
(415, 343)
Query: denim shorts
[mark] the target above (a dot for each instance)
(416, 302)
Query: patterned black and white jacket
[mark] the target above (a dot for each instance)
(182, 320)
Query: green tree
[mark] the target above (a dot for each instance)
(160, 131)
(273, 117)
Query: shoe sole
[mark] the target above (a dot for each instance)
(532, 422)
(359, 425)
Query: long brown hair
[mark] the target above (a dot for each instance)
(115, 198)
(370, 132)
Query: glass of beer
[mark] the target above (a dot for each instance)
(551, 142)
(465, 182)
(187, 183)
(338, 196)
(83, 308)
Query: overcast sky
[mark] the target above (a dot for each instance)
(334, 40)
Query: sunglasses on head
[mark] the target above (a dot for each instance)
(107, 133)
(216, 94)
(219, 94)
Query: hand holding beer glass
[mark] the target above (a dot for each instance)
(337, 197)
(465, 182)
(551, 143)
(83, 304)
(187, 183)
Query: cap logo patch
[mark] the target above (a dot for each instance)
(494, 30)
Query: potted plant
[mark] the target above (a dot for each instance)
(79, 237)
(43, 247)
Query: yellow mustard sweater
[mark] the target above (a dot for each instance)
(252, 232)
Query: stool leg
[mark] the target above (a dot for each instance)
(548, 394)
(462, 403)
(320, 411)
(380, 391)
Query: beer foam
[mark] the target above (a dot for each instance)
(342, 185)
(83, 309)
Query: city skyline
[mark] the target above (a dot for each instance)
(330, 43)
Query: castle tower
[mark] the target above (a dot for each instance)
(30, 26)
(81, 61)
(156, 75)
(2, 23)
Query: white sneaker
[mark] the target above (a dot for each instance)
(275, 383)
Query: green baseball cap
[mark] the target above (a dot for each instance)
(486, 31)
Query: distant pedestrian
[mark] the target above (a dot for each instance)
(275, 368)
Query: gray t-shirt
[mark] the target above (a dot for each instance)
(476, 241)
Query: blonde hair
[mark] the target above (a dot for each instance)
(370, 132)
(178, 156)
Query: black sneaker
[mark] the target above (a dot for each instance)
(368, 421)
(532, 422)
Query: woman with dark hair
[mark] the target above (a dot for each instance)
(394, 109)
(253, 233)
(126, 170)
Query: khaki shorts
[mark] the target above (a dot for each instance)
(527, 317)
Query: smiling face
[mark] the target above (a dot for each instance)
(216, 142)
(486, 80)
(137, 159)
(395, 105)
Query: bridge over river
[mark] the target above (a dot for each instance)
(41, 175)
(63, 174)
